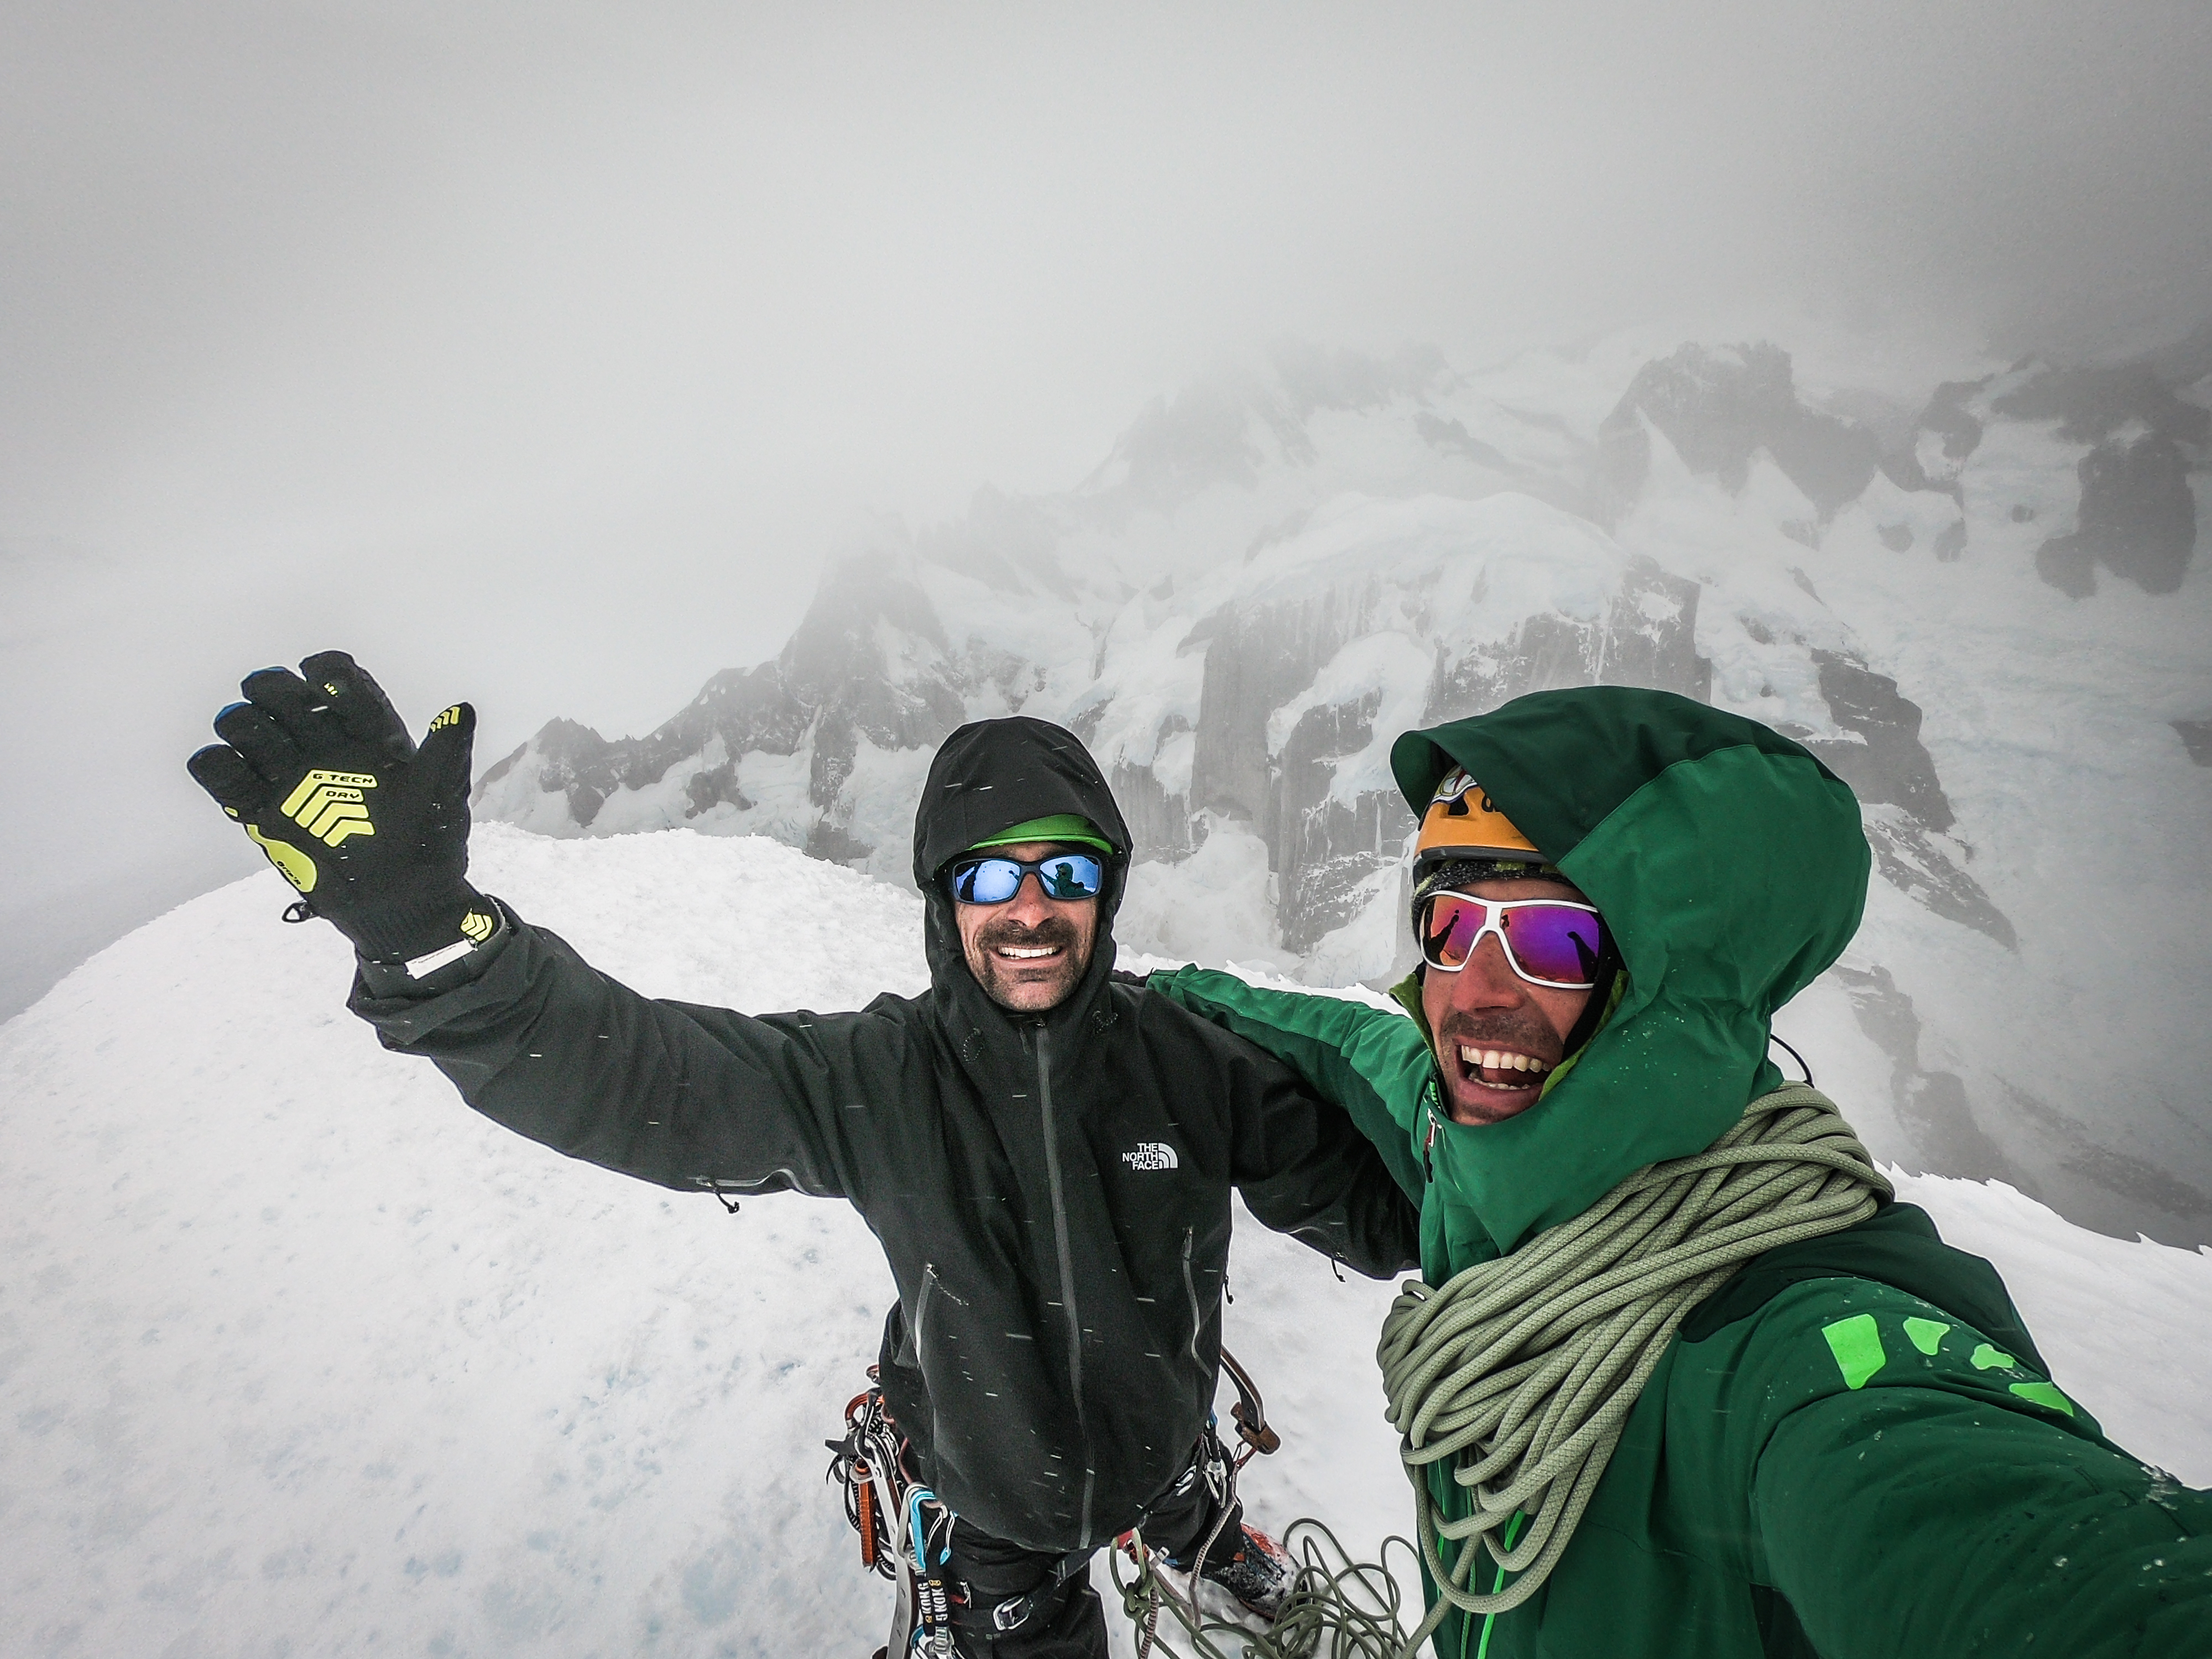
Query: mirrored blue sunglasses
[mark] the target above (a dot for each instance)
(987, 878)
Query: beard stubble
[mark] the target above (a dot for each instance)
(997, 975)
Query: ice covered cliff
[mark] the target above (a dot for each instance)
(1980, 607)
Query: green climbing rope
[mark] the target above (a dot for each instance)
(1521, 1372)
(1337, 1607)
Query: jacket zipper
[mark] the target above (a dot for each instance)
(1190, 1288)
(1066, 1275)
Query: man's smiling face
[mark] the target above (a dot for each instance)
(1497, 1037)
(1029, 953)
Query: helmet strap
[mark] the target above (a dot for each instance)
(1601, 999)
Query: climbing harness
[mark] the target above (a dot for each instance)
(1337, 1608)
(1517, 1376)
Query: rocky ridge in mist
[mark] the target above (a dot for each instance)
(1280, 569)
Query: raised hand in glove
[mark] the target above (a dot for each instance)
(372, 830)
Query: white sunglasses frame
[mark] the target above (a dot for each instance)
(1491, 909)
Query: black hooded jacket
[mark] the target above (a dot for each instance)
(1052, 1190)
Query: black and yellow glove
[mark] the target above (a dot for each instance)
(372, 830)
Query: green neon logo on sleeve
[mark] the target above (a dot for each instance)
(2044, 1394)
(1856, 1344)
(1987, 1359)
(1927, 1334)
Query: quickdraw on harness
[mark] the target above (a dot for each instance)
(867, 1463)
(932, 1622)
(906, 1534)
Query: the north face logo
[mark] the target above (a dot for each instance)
(1152, 1155)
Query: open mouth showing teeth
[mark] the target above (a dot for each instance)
(1502, 1068)
(1019, 953)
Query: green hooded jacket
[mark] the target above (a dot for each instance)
(1852, 1449)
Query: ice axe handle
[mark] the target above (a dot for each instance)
(1258, 1436)
(1250, 1411)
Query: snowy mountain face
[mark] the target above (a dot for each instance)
(1980, 608)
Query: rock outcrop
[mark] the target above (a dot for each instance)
(2137, 518)
(1721, 407)
(2138, 439)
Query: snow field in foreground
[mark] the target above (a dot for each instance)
(299, 1356)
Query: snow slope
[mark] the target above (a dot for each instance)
(299, 1357)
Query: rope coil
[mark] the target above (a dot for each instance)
(1523, 1370)
(1338, 1608)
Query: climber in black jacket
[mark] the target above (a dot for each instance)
(1045, 1153)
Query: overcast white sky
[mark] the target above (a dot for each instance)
(538, 353)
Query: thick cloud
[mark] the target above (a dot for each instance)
(542, 350)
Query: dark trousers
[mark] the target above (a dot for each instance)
(1065, 1619)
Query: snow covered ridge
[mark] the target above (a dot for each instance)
(1980, 609)
(299, 1356)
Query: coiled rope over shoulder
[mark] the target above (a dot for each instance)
(1523, 1370)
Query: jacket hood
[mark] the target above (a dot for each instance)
(989, 776)
(1731, 869)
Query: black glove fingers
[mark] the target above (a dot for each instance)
(298, 708)
(266, 746)
(358, 702)
(222, 772)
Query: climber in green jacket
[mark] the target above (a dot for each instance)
(1680, 1379)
